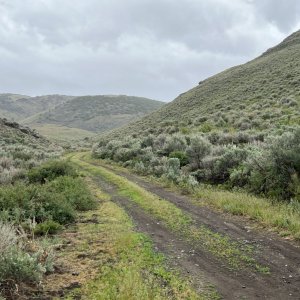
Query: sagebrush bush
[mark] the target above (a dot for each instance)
(21, 260)
(261, 162)
(51, 170)
(8, 237)
(57, 200)
(74, 191)
(197, 150)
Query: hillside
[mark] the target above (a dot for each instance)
(9, 108)
(18, 107)
(67, 117)
(22, 148)
(95, 113)
(259, 95)
(239, 129)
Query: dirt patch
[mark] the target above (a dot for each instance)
(77, 261)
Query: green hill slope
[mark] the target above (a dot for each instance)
(239, 128)
(19, 107)
(259, 95)
(96, 113)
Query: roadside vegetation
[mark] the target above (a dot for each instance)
(32, 209)
(39, 196)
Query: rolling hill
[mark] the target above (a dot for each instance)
(68, 117)
(260, 95)
(17, 107)
(96, 113)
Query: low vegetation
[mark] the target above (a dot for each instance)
(224, 176)
(269, 168)
(39, 195)
(48, 198)
(22, 149)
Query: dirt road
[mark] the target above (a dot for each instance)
(192, 259)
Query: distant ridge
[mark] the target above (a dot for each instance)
(75, 117)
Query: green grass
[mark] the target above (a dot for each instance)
(62, 133)
(281, 217)
(236, 255)
(129, 267)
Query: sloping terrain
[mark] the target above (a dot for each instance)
(35, 105)
(8, 107)
(22, 148)
(96, 113)
(68, 117)
(18, 107)
(260, 95)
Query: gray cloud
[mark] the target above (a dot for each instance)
(152, 48)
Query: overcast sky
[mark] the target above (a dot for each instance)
(150, 48)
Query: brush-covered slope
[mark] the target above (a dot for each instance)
(260, 95)
(240, 128)
(18, 107)
(35, 105)
(21, 148)
(96, 113)
(9, 107)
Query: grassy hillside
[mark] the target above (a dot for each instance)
(96, 113)
(237, 129)
(62, 133)
(260, 95)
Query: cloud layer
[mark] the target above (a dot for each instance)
(151, 48)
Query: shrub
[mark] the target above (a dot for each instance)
(274, 168)
(8, 238)
(139, 167)
(74, 192)
(47, 227)
(50, 171)
(198, 149)
(175, 142)
(181, 156)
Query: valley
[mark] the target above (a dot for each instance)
(118, 197)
